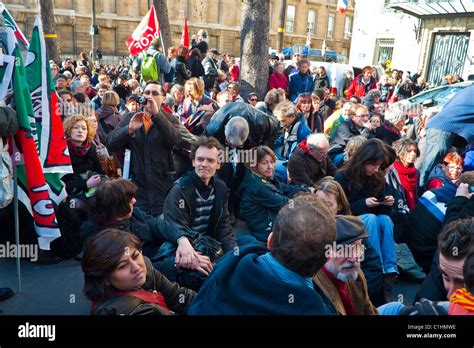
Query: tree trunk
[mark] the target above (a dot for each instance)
(46, 11)
(254, 66)
(161, 8)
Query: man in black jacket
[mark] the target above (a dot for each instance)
(197, 202)
(150, 135)
(357, 124)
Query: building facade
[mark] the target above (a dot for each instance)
(117, 19)
(434, 37)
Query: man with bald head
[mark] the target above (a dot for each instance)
(310, 162)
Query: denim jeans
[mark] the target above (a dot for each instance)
(380, 229)
(391, 308)
(437, 144)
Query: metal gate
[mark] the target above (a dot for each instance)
(448, 56)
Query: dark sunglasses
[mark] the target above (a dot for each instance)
(154, 93)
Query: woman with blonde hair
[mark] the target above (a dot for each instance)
(352, 146)
(197, 107)
(109, 116)
(332, 193)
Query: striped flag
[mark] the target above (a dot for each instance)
(32, 186)
(51, 141)
(10, 23)
(341, 6)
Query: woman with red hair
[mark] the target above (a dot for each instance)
(447, 173)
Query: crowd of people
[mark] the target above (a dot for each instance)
(168, 157)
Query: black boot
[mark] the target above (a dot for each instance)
(46, 257)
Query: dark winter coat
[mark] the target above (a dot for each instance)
(303, 168)
(153, 232)
(181, 73)
(357, 197)
(109, 119)
(151, 163)
(210, 72)
(195, 66)
(347, 130)
(432, 287)
(75, 183)
(264, 129)
(425, 223)
(177, 298)
(387, 134)
(261, 200)
(180, 209)
(300, 83)
(321, 82)
(239, 286)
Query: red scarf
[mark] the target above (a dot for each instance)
(75, 150)
(147, 296)
(304, 146)
(409, 180)
(343, 292)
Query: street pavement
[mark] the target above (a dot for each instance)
(57, 289)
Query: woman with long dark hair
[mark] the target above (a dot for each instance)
(363, 181)
(403, 176)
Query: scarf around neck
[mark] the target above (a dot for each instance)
(409, 180)
(75, 150)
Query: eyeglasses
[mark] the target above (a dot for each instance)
(363, 115)
(455, 167)
(154, 93)
(318, 152)
(253, 99)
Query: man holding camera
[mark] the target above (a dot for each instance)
(150, 135)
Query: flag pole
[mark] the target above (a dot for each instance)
(17, 221)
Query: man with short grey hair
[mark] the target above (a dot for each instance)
(236, 131)
(310, 163)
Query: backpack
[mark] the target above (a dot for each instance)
(150, 68)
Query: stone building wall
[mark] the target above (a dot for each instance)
(221, 18)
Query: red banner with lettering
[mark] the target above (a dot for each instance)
(144, 33)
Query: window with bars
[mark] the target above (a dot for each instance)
(383, 50)
(311, 22)
(290, 18)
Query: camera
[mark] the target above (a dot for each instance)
(142, 101)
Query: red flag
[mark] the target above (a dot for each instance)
(185, 36)
(144, 33)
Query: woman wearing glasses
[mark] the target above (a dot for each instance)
(447, 173)
(252, 99)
